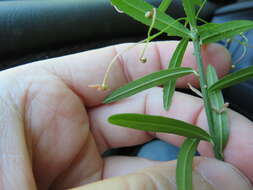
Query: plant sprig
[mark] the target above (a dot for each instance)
(210, 85)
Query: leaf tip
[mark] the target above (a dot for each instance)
(110, 119)
(166, 104)
(166, 107)
(107, 100)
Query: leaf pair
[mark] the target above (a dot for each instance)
(213, 32)
(208, 33)
(138, 8)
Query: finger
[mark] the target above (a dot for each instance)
(208, 174)
(184, 107)
(122, 165)
(84, 69)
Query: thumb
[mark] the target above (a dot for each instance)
(208, 174)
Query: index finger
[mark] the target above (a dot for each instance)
(80, 70)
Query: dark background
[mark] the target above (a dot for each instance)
(34, 29)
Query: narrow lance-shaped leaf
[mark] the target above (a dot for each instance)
(190, 11)
(213, 32)
(220, 117)
(164, 5)
(146, 82)
(138, 8)
(159, 124)
(184, 164)
(176, 60)
(232, 79)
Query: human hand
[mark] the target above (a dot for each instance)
(54, 127)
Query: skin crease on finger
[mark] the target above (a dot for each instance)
(52, 125)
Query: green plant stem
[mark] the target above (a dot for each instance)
(203, 86)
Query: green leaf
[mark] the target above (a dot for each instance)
(221, 130)
(198, 2)
(146, 82)
(176, 60)
(184, 164)
(158, 124)
(178, 54)
(138, 8)
(213, 32)
(232, 79)
(168, 92)
(190, 11)
(164, 5)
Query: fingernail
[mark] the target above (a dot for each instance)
(222, 176)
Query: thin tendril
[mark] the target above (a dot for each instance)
(244, 50)
(104, 85)
(116, 8)
(228, 43)
(142, 59)
(243, 43)
(202, 20)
